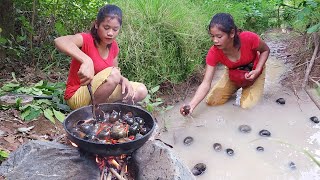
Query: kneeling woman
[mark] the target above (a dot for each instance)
(95, 60)
(243, 53)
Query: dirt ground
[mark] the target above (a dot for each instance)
(12, 137)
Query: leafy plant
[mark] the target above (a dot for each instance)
(3, 155)
(51, 109)
(308, 16)
(152, 103)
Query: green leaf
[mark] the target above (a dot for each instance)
(33, 114)
(36, 91)
(25, 113)
(44, 101)
(49, 115)
(18, 102)
(59, 27)
(155, 89)
(10, 86)
(4, 107)
(3, 40)
(149, 108)
(24, 90)
(3, 155)
(40, 83)
(59, 115)
(21, 38)
(156, 104)
(314, 28)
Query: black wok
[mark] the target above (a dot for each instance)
(108, 149)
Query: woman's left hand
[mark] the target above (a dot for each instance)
(252, 75)
(126, 87)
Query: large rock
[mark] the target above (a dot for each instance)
(155, 160)
(49, 161)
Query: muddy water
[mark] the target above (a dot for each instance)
(289, 124)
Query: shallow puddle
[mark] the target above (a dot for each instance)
(283, 156)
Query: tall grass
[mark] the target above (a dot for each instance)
(165, 41)
(161, 40)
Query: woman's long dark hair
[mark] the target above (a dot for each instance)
(111, 11)
(224, 22)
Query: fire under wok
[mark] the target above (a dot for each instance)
(107, 149)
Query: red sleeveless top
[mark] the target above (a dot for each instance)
(89, 48)
(249, 44)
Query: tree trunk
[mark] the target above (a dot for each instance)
(6, 22)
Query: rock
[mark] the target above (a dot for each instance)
(11, 99)
(155, 160)
(50, 161)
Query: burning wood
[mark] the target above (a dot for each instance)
(109, 176)
(113, 167)
(114, 163)
(124, 170)
(114, 172)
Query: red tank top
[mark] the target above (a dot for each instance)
(89, 48)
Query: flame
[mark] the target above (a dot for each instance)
(97, 160)
(73, 144)
(100, 162)
(126, 169)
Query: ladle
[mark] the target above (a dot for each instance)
(97, 113)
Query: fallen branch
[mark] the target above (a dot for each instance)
(316, 82)
(315, 52)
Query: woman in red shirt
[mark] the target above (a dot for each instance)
(243, 53)
(95, 60)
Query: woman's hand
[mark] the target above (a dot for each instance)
(252, 75)
(186, 110)
(127, 87)
(86, 72)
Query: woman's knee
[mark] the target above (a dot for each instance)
(141, 92)
(215, 100)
